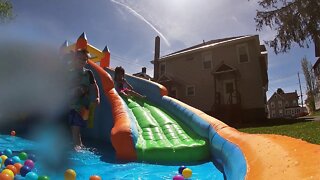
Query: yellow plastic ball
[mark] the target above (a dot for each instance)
(3, 157)
(70, 174)
(9, 172)
(187, 173)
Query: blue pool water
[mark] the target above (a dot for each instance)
(99, 159)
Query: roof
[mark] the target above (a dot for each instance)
(208, 44)
(142, 75)
(285, 96)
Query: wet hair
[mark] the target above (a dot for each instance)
(118, 71)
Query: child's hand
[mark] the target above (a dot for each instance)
(97, 101)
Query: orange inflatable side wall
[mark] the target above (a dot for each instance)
(121, 137)
(269, 156)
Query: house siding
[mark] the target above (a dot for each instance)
(191, 72)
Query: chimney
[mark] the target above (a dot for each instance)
(156, 58)
(144, 70)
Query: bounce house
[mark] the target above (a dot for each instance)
(162, 130)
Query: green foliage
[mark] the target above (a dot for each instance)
(5, 10)
(296, 21)
(307, 131)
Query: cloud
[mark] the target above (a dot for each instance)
(135, 13)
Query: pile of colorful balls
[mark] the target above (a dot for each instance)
(16, 167)
(184, 173)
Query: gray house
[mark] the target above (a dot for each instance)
(226, 78)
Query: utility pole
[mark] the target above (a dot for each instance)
(300, 90)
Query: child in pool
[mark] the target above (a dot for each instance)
(122, 86)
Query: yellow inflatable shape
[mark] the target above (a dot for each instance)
(92, 50)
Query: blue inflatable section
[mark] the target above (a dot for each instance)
(224, 153)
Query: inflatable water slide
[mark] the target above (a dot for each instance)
(161, 129)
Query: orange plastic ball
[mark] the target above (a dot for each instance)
(18, 166)
(4, 176)
(13, 169)
(13, 133)
(95, 177)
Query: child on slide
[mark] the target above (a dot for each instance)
(122, 86)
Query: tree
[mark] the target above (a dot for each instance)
(296, 21)
(310, 82)
(5, 10)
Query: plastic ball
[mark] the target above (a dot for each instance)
(13, 169)
(18, 177)
(43, 178)
(178, 177)
(23, 156)
(95, 177)
(31, 176)
(7, 152)
(18, 166)
(32, 157)
(0, 162)
(8, 161)
(3, 157)
(9, 172)
(24, 170)
(13, 133)
(4, 176)
(181, 168)
(1, 153)
(70, 174)
(16, 159)
(187, 173)
(29, 163)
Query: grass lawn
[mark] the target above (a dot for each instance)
(305, 130)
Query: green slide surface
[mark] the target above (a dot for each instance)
(163, 137)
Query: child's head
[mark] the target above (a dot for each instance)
(118, 73)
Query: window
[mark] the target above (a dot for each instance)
(287, 104)
(273, 112)
(272, 104)
(162, 69)
(294, 103)
(207, 61)
(190, 91)
(280, 112)
(280, 104)
(173, 92)
(243, 53)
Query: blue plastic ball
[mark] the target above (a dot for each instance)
(7, 152)
(32, 157)
(181, 168)
(16, 159)
(31, 176)
(1, 153)
(18, 177)
(0, 163)
(25, 170)
(8, 161)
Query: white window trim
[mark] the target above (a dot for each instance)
(165, 69)
(247, 51)
(205, 60)
(193, 90)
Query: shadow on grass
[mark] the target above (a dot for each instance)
(274, 122)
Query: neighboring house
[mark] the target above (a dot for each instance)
(282, 105)
(316, 70)
(226, 78)
(143, 74)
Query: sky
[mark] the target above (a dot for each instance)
(128, 28)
